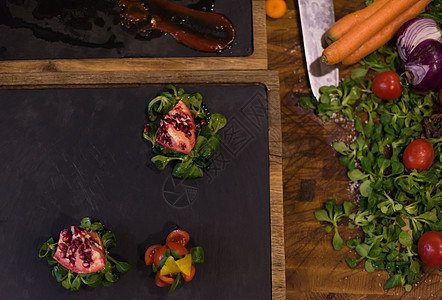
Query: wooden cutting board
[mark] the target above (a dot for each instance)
(312, 174)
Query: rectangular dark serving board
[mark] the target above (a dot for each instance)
(79, 29)
(67, 153)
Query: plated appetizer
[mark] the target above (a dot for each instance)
(81, 256)
(186, 133)
(173, 262)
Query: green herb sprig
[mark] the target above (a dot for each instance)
(72, 280)
(190, 165)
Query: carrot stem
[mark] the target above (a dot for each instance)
(344, 24)
(385, 34)
(359, 34)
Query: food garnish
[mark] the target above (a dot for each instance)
(81, 256)
(187, 132)
(173, 262)
(400, 196)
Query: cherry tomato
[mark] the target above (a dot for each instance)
(178, 248)
(163, 281)
(148, 255)
(430, 248)
(178, 236)
(387, 85)
(419, 155)
(190, 277)
(158, 255)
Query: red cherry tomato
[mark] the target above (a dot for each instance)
(430, 248)
(190, 277)
(419, 155)
(178, 248)
(150, 252)
(178, 236)
(158, 255)
(163, 280)
(387, 85)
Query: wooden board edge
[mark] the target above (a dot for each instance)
(257, 60)
(269, 79)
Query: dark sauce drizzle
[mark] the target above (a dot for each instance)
(200, 30)
(70, 21)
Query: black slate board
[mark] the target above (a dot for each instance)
(34, 29)
(70, 153)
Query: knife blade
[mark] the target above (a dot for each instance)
(316, 18)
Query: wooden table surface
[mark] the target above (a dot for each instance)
(311, 171)
(311, 175)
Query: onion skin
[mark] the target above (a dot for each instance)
(424, 66)
(414, 32)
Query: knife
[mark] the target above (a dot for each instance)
(316, 18)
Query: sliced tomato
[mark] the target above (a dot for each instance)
(158, 255)
(190, 277)
(159, 282)
(178, 236)
(179, 248)
(167, 279)
(148, 255)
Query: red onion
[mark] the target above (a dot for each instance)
(414, 32)
(424, 65)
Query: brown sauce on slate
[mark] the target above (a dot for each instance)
(77, 17)
(204, 31)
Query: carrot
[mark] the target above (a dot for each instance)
(353, 39)
(385, 34)
(344, 24)
(275, 8)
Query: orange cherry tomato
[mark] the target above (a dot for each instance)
(179, 248)
(148, 255)
(178, 236)
(190, 277)
(158, 255)
(276, 8)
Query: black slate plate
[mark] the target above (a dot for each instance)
(76, 29)
(70, 153)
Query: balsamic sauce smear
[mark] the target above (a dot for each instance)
(94, 23)
(204, 31)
